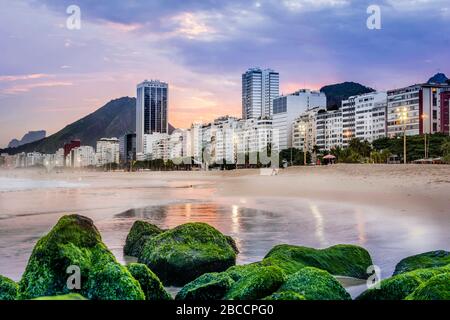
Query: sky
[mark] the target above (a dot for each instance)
(51, 75)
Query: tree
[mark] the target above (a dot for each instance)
(445, 148)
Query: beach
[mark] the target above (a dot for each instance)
(394, 211)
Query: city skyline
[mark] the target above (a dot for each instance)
(202, 50)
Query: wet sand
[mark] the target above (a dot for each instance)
(392, 210)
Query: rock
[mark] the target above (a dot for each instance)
(339, 260)
(150, 283)
(75, 241)
(140, 232)
(8, 289)
(285, 295)
(400, 286)
(424, 260)
(71, 296)
(314, 284)
(257, 285)
(182, 254)
(210, 286)
(437, 288)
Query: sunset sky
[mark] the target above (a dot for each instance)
(51, 76)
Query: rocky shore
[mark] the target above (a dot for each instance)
(202, 260)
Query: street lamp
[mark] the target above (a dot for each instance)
(302, 129)
(424, 116)
(402, 114)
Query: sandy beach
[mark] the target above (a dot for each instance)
(392, 210)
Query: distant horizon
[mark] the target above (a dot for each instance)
(51, 76)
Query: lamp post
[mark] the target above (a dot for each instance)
(302, 129)
(424, 116)
(402, 114)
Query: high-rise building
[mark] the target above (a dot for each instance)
(127, 148)
(364, 117)
(151, 110)
(329, 131)
(107, 151)
(420, 104)
(287, 108)
(259, 88)
(445, 112)
(304, 131)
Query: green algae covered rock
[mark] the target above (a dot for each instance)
(314, 284)
(210, 286)
(257, 285)
(340, 260)
(400, 286)
(184, 253)
(70, 296)
(140, 232)
(75, 241)
(431, 259)
(8, 289)
(285, 295)
(437, 288)
(150, 283)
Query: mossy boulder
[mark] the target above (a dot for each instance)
(340, 260)
(150, 283)
(182, 254)
(140, 232)
(257, 285)
(70, 296)
(8, 289)
(400, 286)
(437, 288)
(425, 260)
(210, 286)
(75, 241)
(314, 284)
(285, 295)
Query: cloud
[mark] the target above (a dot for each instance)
(17, 89)
(23, 77)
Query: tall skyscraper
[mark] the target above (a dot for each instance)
(151, 110)
(259, 88)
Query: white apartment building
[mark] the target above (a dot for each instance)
(329, 129)
(176, 144)
(287, 108)
(108, 151)
(259, 88)
(304, 132)
(83, 156)
(421, 105)
(369, 117)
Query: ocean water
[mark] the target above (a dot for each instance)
(19, 184)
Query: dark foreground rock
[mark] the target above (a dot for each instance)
(313, 284)
(150, 283)
(431, 259)
(182, 254)
(210, 286)
(75, 241)
(399, 287)
(70, 296)
(8, 289)
(339, 260)
(140, 232)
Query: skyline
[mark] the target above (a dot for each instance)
(194, 46)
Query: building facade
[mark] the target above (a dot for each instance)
(259, 88)
(151, 110)
(287, 108)
(369, 118)
(127, 148)
(108, 151)
(421, 104)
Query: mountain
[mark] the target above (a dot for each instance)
(114, 119)
(29, 137)
(438, 78)
(337, 92)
